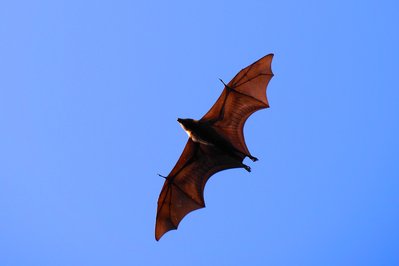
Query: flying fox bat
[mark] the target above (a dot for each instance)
(216, 142)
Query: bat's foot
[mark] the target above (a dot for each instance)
(246, 167)
(254, 159)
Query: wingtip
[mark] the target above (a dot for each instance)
(268, 57)
(159, 235)
(271, 55)
(161, 228)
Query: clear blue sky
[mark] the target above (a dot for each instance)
(89, 96)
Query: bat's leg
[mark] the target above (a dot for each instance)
(246, 167)
(254, 159)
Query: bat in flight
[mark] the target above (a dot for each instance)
(216, 142)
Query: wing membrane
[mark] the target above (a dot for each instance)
(183, 189)
(243, 95)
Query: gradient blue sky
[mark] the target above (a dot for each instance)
(89, 96)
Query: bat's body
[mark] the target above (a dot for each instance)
(216, 142)
(204, 133)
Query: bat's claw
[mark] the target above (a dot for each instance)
(223, 82)
(162, 176)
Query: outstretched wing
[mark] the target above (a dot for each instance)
(243, 95)
(183, 190)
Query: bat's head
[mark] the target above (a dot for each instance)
(187, 124)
